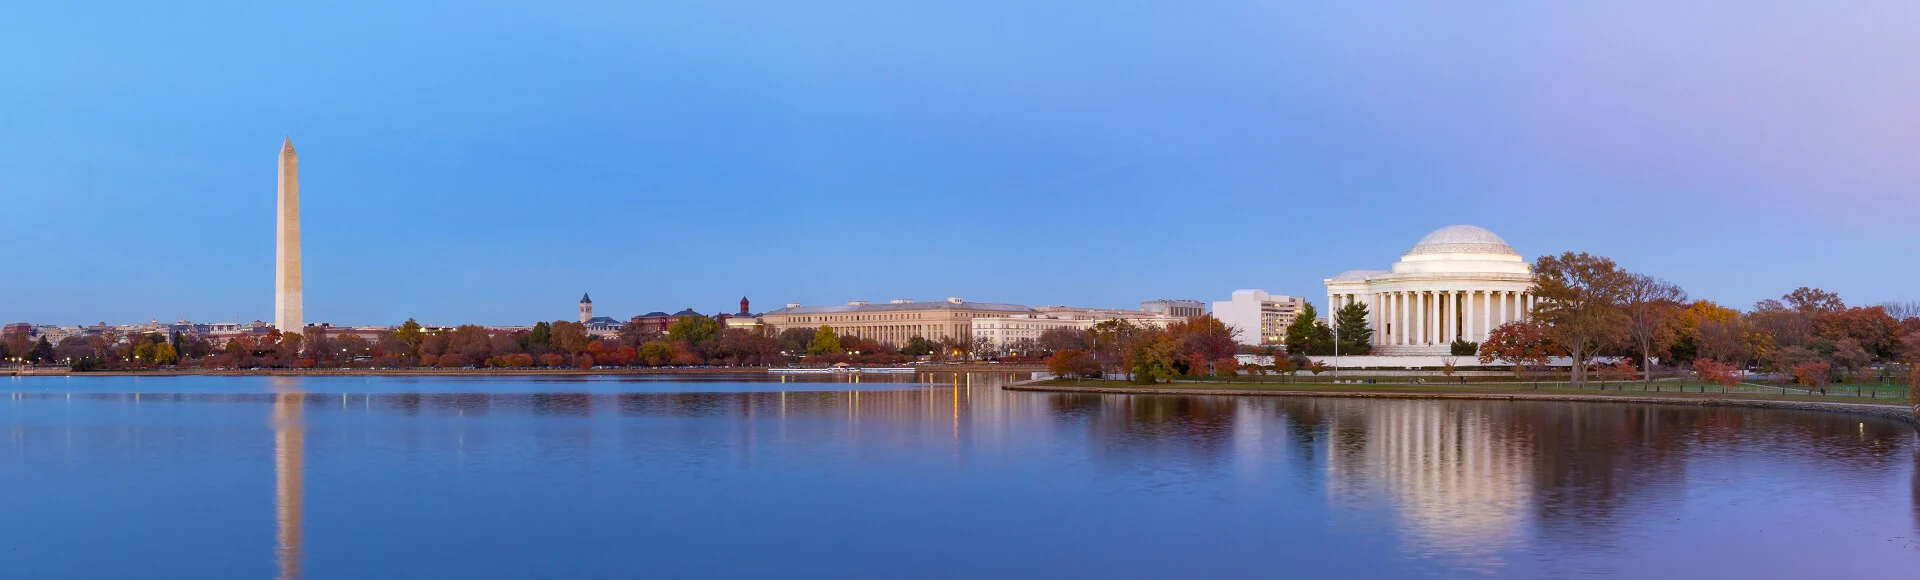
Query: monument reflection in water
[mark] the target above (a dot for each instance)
(933, 476)
(289, 473)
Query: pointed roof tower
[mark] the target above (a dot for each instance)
(584, 299)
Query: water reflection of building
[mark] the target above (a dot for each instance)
(289, 467)
(1460, 482)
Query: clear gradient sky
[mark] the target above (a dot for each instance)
(490, 161)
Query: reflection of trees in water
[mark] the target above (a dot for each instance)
(1598, 465)
(1193, 429)
(1594, 460)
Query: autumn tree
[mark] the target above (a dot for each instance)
(1716, 372)
(1115, 343)
(1814, 300)
(983, 349)
(824, 342)
(1521, 344)
(1063, 339)
(569, 336)
(1204, 342)
(1579, 302)
(656, 353)
(17, 343)
(411, 333)
(1158, 357)
(1073, 364)
(1649, 305)
(164, 355)
(1813, 375)
(635, 333)
(694, 331)
(1686, 326)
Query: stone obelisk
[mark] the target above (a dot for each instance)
(288, 315)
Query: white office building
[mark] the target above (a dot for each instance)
(1259, 318)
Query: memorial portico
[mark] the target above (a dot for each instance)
(1459, 282)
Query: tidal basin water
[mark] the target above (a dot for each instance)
(935, 476)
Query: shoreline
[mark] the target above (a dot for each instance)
(1013, 368)
(1902, 413)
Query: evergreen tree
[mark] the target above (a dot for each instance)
(917, 346)
(1300, 333)
(1356, 336)
(42, 352)
(542, 334)
(1322, 343)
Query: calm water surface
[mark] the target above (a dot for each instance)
(927, 476)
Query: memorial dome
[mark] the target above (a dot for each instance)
(1462, 239)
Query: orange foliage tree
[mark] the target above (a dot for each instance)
(1813, 374)
(1073, 364)
(1521, 344)
(1717, 372)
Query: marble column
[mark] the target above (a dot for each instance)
(1486, 319)
(1400, 317)
(1426, 320)
(1466, 316)
(1412, 309)
(1433, 320)
(1506, 307)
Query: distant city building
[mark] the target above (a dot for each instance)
(219, 333)
(662, 321)
(745, 319)
(370, 334)
(1175, 308)
(1006, 332)
(601, 326)
(1087, 313)
(55, 334)
(894, 322)
(1459, 282)
(1260, 318)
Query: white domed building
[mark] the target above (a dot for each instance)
(1458, 282)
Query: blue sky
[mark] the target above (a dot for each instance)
(488, 162)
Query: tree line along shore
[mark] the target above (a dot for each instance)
(1589, 309)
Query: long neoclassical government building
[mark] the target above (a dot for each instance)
(1458, 282)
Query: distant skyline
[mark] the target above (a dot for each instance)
(489, 164)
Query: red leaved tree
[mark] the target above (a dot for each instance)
(1073, 364)
(1813, 374)
(1717, 372)
(1521, 344)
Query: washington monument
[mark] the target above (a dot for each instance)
(288, 315)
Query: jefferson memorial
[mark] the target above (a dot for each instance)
(1458, 282)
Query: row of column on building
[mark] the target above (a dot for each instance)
(1437, 317)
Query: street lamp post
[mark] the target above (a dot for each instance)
(1336, 345)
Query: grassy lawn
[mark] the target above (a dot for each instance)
(1868, 394)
